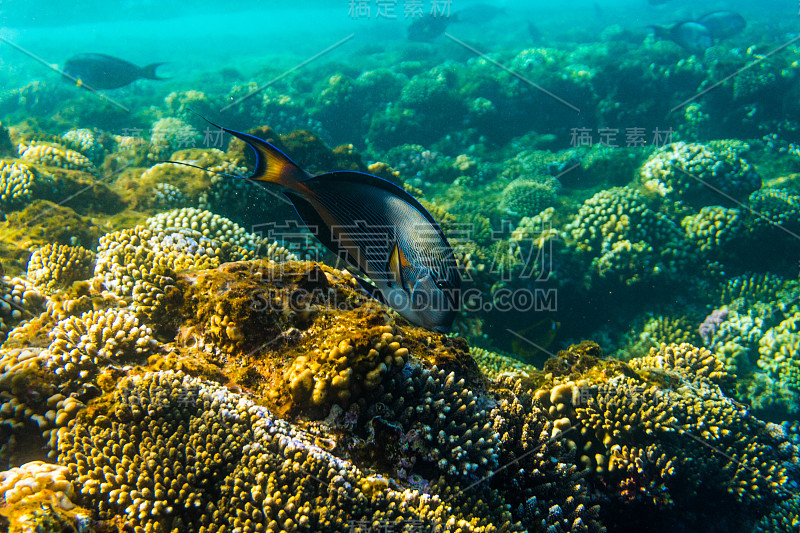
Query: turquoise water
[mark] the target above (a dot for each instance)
(618, 183)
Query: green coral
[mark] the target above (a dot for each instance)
(714, 230)
(778, 385)
(775, 207)
(700, 174)
(627, 241)
(527, 197)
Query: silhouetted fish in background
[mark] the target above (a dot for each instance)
(723, 24)
(100, 71)
(430, 26)
(427, 28)
(690, 35)
(380, 229)
(534, 32)
(478, 13)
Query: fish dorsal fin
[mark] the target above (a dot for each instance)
(395, 265)
(272, 165)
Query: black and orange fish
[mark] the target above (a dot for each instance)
(379, 228)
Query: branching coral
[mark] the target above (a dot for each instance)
(57, 266)
(699, 174)
(54, 156)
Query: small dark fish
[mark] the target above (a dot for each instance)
(723, 24)
(534, 32)
(100, 71)
(428, 28)
(379, 228)
(691, 35)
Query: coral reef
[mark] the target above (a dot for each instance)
(779, 358)
(714, 230)
(168, 135)
(648, 429)
(57, 266)
(86, 142)
(527, 197)
(175, 452)
(52, 155)
(163, 343)
(700, 174)
(626, 240)
(17, 183)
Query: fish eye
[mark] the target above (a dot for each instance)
(441, 284)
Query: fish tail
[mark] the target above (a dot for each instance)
(149, 71)
(272, 165)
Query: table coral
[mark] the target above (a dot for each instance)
(445, 428)
(545, 482)
(495, 365)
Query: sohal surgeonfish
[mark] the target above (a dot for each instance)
(690, 35)
(723, 24)
(427, 28)
(379, 228)
(100, 71)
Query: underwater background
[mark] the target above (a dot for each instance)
(619, 181)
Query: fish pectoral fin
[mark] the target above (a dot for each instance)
(371, 289)
(397, 260)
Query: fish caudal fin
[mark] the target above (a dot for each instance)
(272, 165)
(149, 71)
